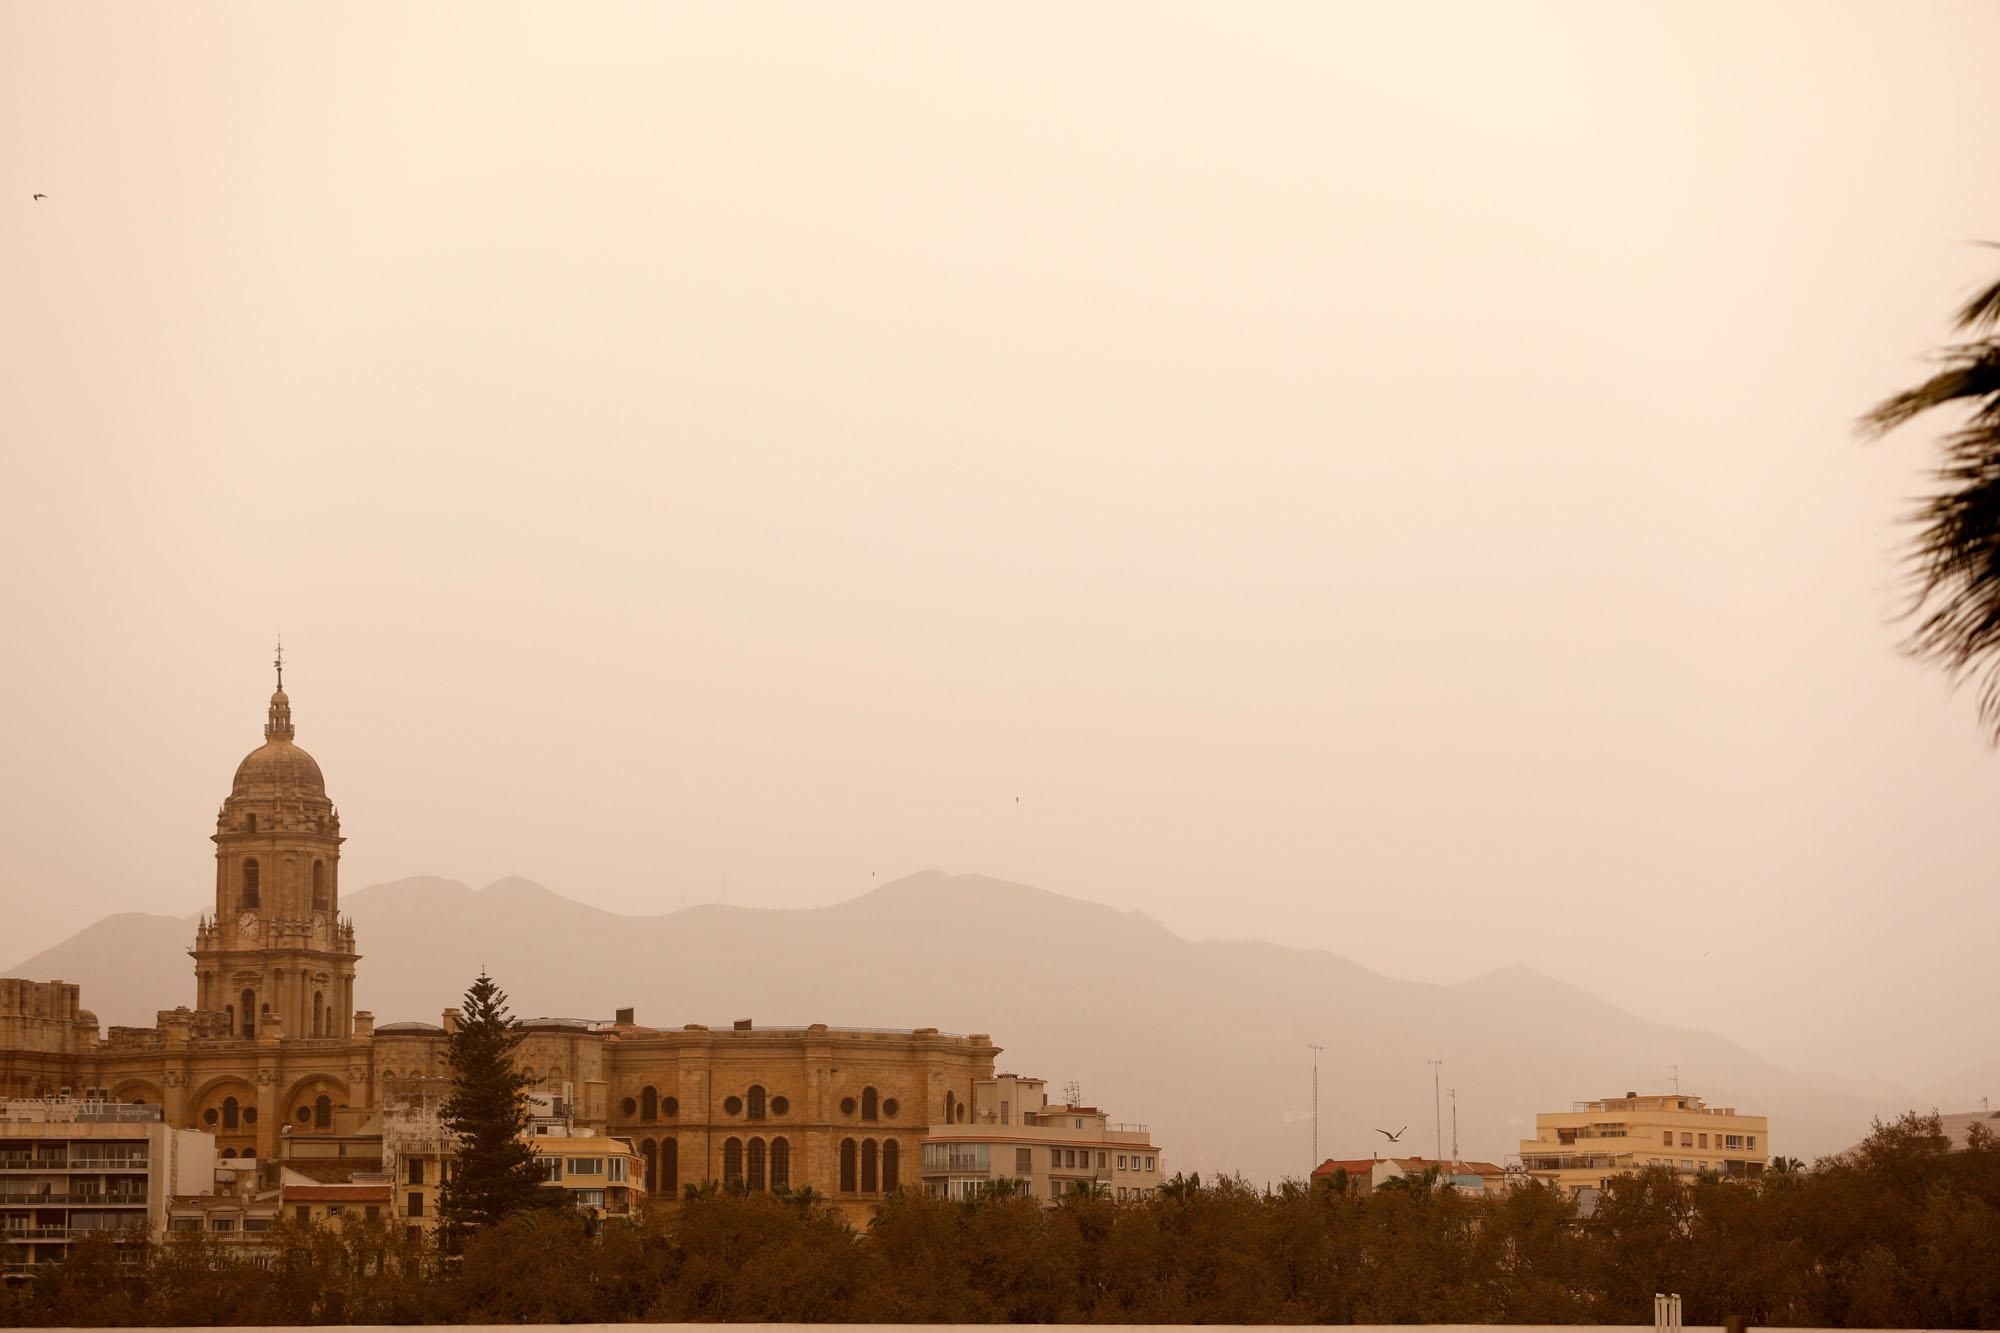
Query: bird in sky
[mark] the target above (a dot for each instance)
(1397, 1137)
(41, 196)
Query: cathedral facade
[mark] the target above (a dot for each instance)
(273, 1047)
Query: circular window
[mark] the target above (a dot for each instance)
(630, 1105)
(779, 1106)
(210, 1116)
(305, 1114)
(733, 1105)
(670, 1106)
(847, 1106)
(249, 1115)
(889, 1107)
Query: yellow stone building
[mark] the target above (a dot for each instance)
(273, 1045)
(1586, 1145)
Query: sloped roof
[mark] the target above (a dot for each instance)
(336, 1194)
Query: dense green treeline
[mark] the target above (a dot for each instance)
(1901, 1234)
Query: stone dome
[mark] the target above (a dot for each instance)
(278, 767)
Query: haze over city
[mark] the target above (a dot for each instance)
(1379, 478)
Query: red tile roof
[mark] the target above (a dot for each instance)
(1353, 1166)
(336, 1194)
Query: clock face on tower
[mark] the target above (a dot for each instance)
(246, 923)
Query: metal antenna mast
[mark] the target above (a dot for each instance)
(1437, 1103)
(1677, 1078)
(1454, 1123)
(1316, 1049)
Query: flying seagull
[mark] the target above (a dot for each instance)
(1397, 1137)
(41, 196)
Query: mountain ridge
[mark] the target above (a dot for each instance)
(1205, 1040)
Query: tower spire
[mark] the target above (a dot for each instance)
(278, 723)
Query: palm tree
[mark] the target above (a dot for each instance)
(1955, 558)
(1182, 1187)
(1786, 1166)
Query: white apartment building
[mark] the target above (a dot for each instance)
(1592, 1141)
(1014, 1133)
(71, 1169)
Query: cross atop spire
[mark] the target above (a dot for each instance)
(279, 663)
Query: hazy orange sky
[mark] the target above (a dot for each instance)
(1371, 476)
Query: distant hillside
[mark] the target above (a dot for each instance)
(1206, 1041)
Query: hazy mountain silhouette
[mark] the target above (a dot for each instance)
(1206, 1041)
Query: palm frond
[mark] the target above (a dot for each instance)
(1953, 562)
(1983, 310)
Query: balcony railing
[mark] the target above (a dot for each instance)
(1576, 1161)
(94, 1200)
(28, 1234)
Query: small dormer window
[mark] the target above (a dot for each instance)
(250, 882)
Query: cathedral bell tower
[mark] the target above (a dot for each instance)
(275, 958)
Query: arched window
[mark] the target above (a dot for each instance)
(756, 1101)
(847, 1166)
(322, 1112)
(651, 1152)
(249, 882)
(949, 1102)
(231, 1117)
(319, 886)
(891, 1158)
(670, 1107)
(670, 1167)
(732, 1161)
(319, 1012)
(756, 1172)
(249, 1013)
(649, 1103)
(781, 1164)
(868, 1176)
(250, 823)
(961, 1113)
(868, 1104)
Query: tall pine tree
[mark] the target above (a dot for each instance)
(494, 1173)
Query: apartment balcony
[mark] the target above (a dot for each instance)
(1576, 1161)
(23, 1162)
(29, 1235)
(122, 1200)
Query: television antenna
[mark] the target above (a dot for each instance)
(1437, 1104)
(1315, 1048)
